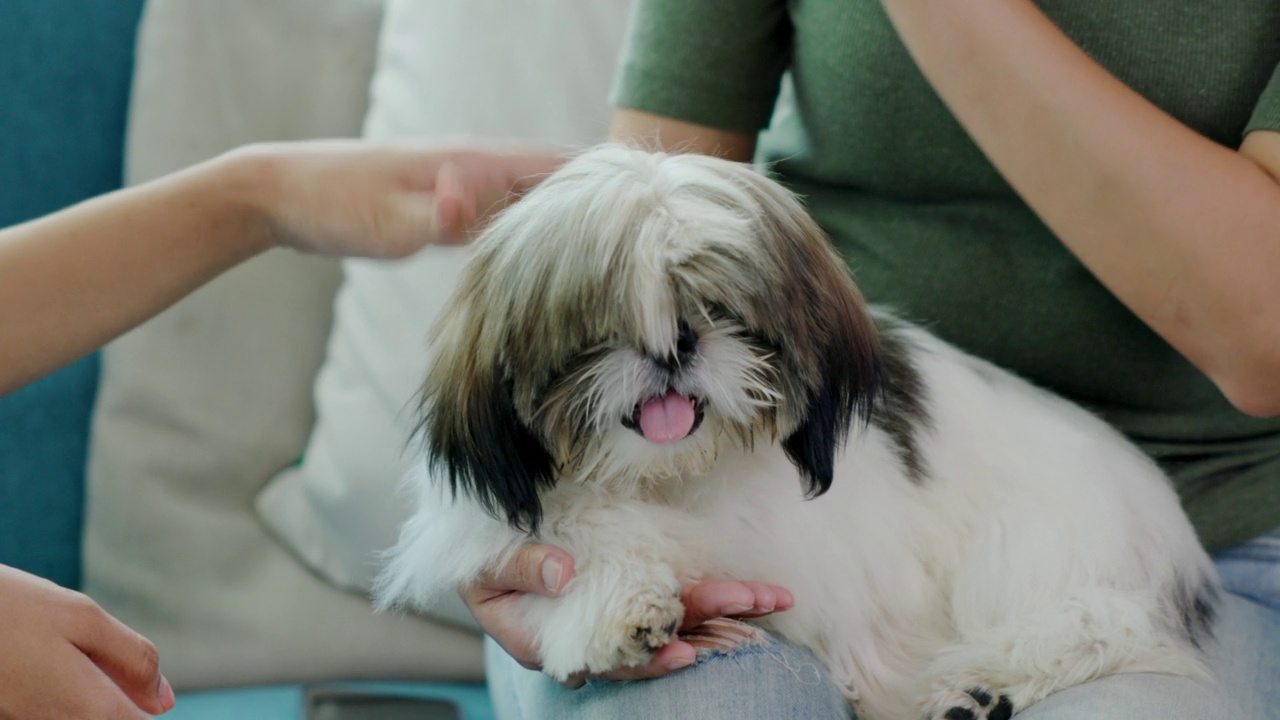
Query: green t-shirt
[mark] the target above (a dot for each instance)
(929, 226)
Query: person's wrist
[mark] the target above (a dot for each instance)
(248, 181)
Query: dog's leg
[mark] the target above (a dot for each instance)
(609, 617)
(1005, 668)
(621, 606)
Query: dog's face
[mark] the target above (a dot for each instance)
(628, 316)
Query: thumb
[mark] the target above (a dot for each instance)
(537, 569)
(128, 659)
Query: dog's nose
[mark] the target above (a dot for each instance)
(686, 343)
(686, 349)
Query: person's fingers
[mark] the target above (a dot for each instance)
(483, 185)
(714, 598)
(501, 616)
(537, 569)
(669, 658)
(127, 658)
(455, 205)
(514, 170)
(730, 598)
(765, 598)
(545, 570)
(721, 635)
(495, 599)
(529, 168)
(574, 682)
(499, 613)
(769, 599)
(705, 628)
(96, 695)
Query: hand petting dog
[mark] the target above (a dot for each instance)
(99, 268)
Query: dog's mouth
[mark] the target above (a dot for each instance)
(666, 418)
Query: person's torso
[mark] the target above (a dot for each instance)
(930, 228)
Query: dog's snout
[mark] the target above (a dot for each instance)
(686, 349)
(686, 343)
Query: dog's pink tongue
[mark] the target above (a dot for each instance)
(667, 419)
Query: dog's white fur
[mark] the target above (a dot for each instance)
(995, 537)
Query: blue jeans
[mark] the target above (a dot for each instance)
(778, 680)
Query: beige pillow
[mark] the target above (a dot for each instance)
(502, 69)
(200, 407)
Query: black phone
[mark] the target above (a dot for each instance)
(345, 703)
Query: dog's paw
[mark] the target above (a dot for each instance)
(634, 631)
(974, 703)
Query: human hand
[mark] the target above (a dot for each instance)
(347, 197)
(64, 657)
(545, 570)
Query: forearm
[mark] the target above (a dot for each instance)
(672, 135)
(74, 280)
(1184, 231)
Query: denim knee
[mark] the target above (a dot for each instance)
(769, 680)
(1253, 570)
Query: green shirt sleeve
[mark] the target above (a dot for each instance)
(1266, 116)
(711, 62)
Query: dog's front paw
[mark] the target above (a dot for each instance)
(974, 703)
(635, 631)
(625, 633)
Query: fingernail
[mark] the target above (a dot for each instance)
(676, 663)
(734, 609)
(167, 699)
(552, 574)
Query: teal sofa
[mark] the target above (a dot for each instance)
(65, 73)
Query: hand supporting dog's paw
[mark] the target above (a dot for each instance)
(607, 620)
(498, 603)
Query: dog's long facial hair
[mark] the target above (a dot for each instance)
(624, 319)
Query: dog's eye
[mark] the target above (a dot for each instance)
(719, 315)
(569, 370)
(766, 345)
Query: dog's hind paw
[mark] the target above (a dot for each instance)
(975, 703)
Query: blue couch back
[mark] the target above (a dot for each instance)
(65, 68)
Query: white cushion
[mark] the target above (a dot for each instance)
(499, 68)
(200, 407)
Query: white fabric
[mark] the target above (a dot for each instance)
(200, 407)
(496, 68)
(342, 504)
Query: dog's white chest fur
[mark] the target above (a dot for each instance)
(979, 545)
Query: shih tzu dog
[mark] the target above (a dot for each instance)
(658, 363)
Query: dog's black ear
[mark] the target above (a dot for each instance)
(489, 454)
(842, 348)
(847, 392)
(473, 432)
(827, 340)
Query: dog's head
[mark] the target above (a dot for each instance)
(631, 313)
